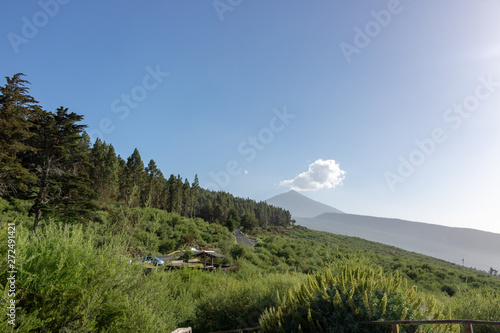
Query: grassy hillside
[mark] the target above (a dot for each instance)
(72, 277)
(478, 248)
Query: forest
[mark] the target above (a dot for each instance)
(80, 218)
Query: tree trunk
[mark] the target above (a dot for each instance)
(39, 198)
(38, 216)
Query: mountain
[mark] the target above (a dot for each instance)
(478, 249)
(300, 205)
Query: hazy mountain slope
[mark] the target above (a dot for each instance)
(300, 205)
(479, 249)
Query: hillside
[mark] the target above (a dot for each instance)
(300, 205)
(479, 249)
(472, 248)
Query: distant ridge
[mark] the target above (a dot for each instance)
(479, 249)
(301, 206)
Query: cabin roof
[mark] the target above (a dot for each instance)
(209, 254)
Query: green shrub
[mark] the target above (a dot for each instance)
(240, 250)
(66, 284)
(327, 303)
(477, 305)
(188, 254)
(239, 301)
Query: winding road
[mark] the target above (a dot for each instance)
(241, 238)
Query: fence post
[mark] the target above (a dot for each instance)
(395, 328)
(468, 328)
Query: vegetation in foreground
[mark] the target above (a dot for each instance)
(77, 278)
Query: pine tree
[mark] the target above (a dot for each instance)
(153, 187)
(195, 189)
(122, 181)
(135, 168)
(104, 171)
(134, 175)
(221, 208)
(186, 198)
(112, 167)
(17, 110)
(98, 168)
(233, 219)
(248, 221)
(61, 165)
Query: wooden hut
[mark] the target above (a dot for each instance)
(208, 255)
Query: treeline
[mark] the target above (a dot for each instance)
(131, 182)
(47, 157)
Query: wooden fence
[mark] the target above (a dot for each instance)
(241, 330)
(183, 330)
(468, 324)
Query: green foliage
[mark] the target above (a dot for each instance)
(477, 305)
(154, 231)
(65, 282)
(328, 303)
(238, 302)
(249, 221)
(188, 254)
(104, 172)
(78, 278)
(240, 250)
(310, 250)
(17, 112)
(233, 219)
(15, 211)
(60, 164)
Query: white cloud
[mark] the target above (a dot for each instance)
(321, 174)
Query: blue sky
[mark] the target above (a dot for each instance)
(403, 96)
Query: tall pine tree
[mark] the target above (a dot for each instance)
(154, 185)
(17, 111)
(134, 174)
(112, 167)
(61, 165)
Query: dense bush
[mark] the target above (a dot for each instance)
(239, 301)
(328, 303)
(65, 283)
(477, 305)
(68, 282)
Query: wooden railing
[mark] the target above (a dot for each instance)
(250, 329)
(183, 330)
(468, 324)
